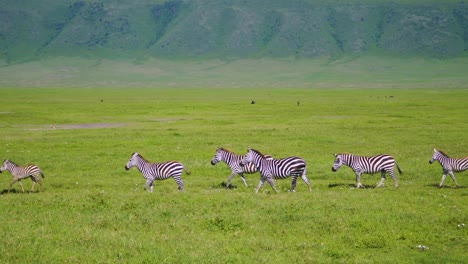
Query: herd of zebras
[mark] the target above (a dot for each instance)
(254, 161)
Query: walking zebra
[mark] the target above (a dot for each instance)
(233, 161)
(157, 171)
(449, 165)
(20, 173)
(277, 168)
(369, 165)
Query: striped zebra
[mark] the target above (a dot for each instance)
(233, 161)
(449, 165)
(157, 171)
(369, 165)
(277, 168)
(20, 173)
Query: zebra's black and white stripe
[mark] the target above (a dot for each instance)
(19, 173)
(369, 165)
(449, 165)
(277, 168)
(157, 171)
(233, 161)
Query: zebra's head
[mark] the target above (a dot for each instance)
(217, 156)
(253, 156)
(338, 162)
(247, 157)
(4, 165)
(132, 161)
(436, 155)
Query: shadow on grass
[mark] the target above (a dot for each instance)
(14, 191)
(4, 191)
(223, 185)
(445, 186)
(335, 185)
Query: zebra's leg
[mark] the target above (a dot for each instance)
(19, 182)
(40, 182)
(149, 183)
(304, 178)
(395, 181)
(13, 182)
(453, 178)
(358, 180)
(230, 178)
(33, 185)
(293, 183)
(262, 180)
(36, 179)
(243, 179)
(180, 183)
(382, 179)
(272, 183)
(443, 178)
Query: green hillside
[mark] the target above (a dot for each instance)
(231, 29)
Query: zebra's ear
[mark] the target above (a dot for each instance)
(335, 155)
(435, 150)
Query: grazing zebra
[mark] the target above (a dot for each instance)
(233, 161)
(20, 173)
(157, 171)
(449, 165)
(277, 168)
(369, 165)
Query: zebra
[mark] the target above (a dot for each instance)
(449, 165)
(233, 161)
(157, 171)
(276, 169)
(20, 173)
(369, 165)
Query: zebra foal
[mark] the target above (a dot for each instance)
(20, 173)
(234, 161)
(157, 171)
(449, 165)
(380, 163)
(277, 169)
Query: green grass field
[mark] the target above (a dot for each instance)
(92, 210)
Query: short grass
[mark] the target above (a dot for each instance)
(92, 210)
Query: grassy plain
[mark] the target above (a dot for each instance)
(93, 210)
(342, 72)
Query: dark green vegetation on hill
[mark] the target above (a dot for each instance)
(240, 29)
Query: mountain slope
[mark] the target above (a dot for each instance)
(241, 29)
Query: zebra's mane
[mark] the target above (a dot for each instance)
(443, 153)
(14, 164)
(227, 150)
(258, 152)
(140, 156)
(345, 154)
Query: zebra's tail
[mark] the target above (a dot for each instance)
(42, 174)
(187, 172)
(398, 167)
